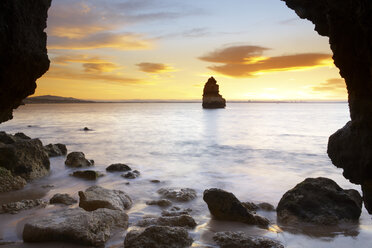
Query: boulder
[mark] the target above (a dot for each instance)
(182, 195)
(224, 205)
(76, 226)
(242, 240)
(87, 174)
(160, 203)
(211, 97)
(65, 199)
(155, 181)
(320, 201)
(181, 221)
(55, 150)
(158, 237)
(15, 207)
(22, 136)
(23, 157)
(118, 167)
(23, 52)
(8, 182)
(97, 197)
(131, 174)
(260, 206)
(77, 159)
(176, 211)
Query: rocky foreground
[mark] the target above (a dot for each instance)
(211, 96)
(101, 213)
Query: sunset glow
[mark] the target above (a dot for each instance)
(167, 49)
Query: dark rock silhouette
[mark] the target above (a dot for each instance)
(55, 150)
(348, 26)
(242, 240)
(23, 53)
(211, 96)
(118, 167)
(87, 174)
(77, 159)
(319, 201)
(224, 205)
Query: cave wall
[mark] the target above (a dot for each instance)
(348, 24)
(23, 53)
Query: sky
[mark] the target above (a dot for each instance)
(167, 49)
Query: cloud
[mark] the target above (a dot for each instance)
(332, 85)
(127, 41)
(248, 61)
(99, 67)
(154, 67)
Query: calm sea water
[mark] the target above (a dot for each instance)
(257, 151)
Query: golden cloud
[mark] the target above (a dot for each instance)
(332, 85)
(248, 61)
(154, 67)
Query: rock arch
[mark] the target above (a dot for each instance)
(347, 23)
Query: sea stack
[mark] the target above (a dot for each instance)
(211, 97)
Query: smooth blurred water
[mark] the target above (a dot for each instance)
(258, 151)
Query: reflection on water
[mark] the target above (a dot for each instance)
(256, 151)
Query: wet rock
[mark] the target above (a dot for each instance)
(8, 182)
(22, 136)
(77, 159)
(65, 199)
(23, 157)
(348, 28)
(131, 174)
(15, 207)
(158, 237)
(320, 201)
(118, 167)
(155, 181)
(160, 203)
(242, 240)
(23, 53)
(176, 211)
(180, 221)
(250, 206)
(55, 150)
(76, 226)
(87, 174)
(211, 97)
(224, 205)
(87, 129)
(97, 197)
(182, 195)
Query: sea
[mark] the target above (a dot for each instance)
(257, 151)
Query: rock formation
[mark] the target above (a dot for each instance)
(23, 53)
(348, 26)
(211, 96)
(319, 201)
(181, 195)
(242, 240)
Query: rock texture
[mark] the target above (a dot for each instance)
(211, 96)
(65, 199)
(87, 174)
(25, 158)
(160, 203)
(242, 240)
(320, 201)
(224, 205)
(23, 53)
(118, 167)
(158, 237)
(55, 150)
(77, 160)
(8, 182)
(15, 207)
(97, 197)
(76, 226)
(183, 220)
(348, 26)
(182, 195)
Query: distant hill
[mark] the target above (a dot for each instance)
(53, 99)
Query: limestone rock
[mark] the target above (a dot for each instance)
(224, 205)
(87, 174)
(65, 199)
(23, 53)
(320, 201)
(8, 182)
(76, 226)
(23, 157)
(15, 207)
(55, 150)
(118, 167)
(97, 197)
(242, 240)
(158, 237)
(182, 195)
(77, 159)
(211, 97)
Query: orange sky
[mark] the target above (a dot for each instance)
(167, 49)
